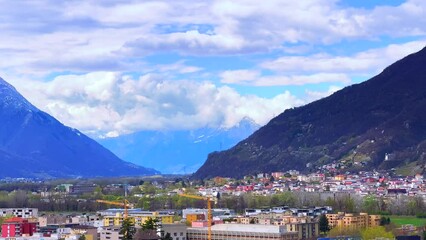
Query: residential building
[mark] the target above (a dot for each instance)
(216, 212)
(137, 219)
(110, 233)
(19, 212)
(192, 217)
(306, 227)
(82, 188)
(17, 227)
(277, 175)
(90, 233)
(351, 220)
(65, 187)
(176, 231)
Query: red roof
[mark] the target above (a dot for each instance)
(14, 220)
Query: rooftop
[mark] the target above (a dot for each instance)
(257, 228)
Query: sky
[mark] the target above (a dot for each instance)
(115, 67)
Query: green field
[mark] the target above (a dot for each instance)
(402, 220)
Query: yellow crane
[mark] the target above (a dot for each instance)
(209, 211)
(126, 204)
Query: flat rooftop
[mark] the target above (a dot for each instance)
(236, 227)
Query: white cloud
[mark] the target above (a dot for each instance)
(177, 67)
(99, 40)
(85, 36)
(110, 104)
(239, 76)
(189, 42)
(315, 95)
(252, 77)
(367, 62)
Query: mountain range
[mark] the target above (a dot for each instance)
(177, 152)
(377, 124)
(34, 144)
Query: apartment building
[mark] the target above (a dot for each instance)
(110, 233)
(176, 231)
(19, 212)
(137, 219)
(351, 220)
(17, 227)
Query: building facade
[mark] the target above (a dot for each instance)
(18, 227)
(110, 233)
(176, 231)
(350, 220)
(19, 212)
(137, 219)
(242, 232)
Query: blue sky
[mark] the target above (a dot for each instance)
(111, 68)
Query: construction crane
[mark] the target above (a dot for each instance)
(209, 211)
(126, 204)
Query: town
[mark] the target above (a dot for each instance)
(277, 205)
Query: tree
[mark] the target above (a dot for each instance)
(323, 224)
(167, 237)
(82, 237)
(370, 204)
(383, 221)
(376, 232)
(150, 224)
(338, 232)
(149, 188)
(127, 229)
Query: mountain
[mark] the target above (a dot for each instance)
(380, 123)
(34, 144)
(177, 152)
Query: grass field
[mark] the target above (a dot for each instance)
(402, 220)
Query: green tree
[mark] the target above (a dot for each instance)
(127, 229)
(370, 204)
(149, 188)
(338, 232)
(167, 237)
(82, 237)
(150, 224)
(376, 232)
(324, 226)
(384, 221)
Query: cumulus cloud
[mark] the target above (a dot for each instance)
(109, 35)
(249, 26)
(109, 104)
(101, 41)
